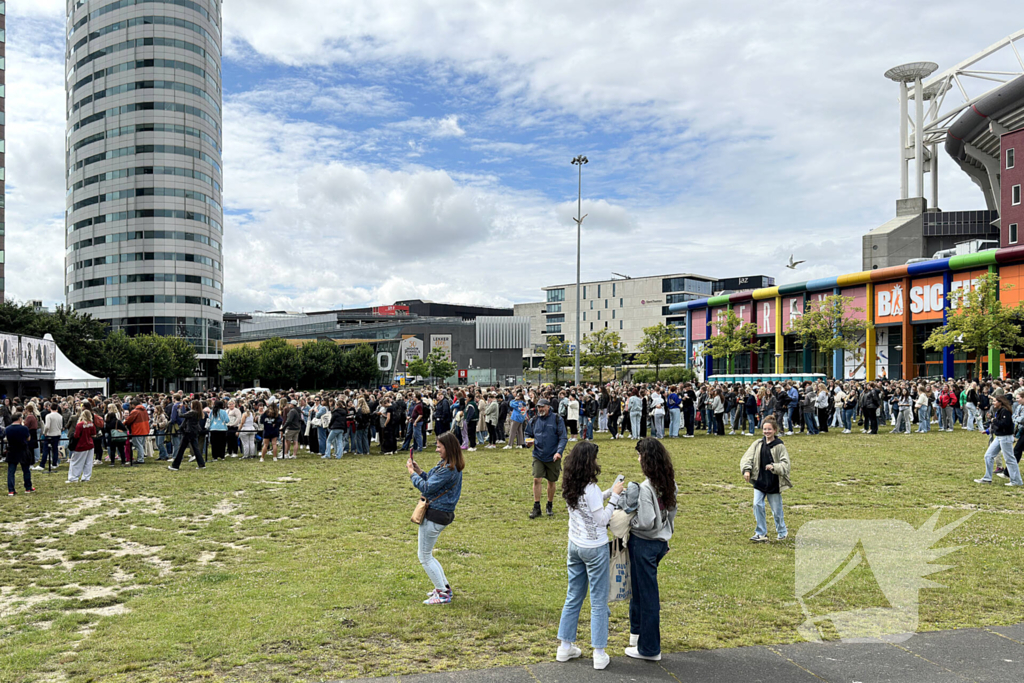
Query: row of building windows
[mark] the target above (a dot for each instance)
(146, 213)
(121, 4)
(146, 192)
(144, 171)
(148, 106)
(145, 64)
(145, 235)
(145, 85)
(613, 284)
(144, 277)
(599, 315)
(147, 128)
(203, 333)
(146, 21)
(148, 149)
(147, 42)
(557, 329)
(143, 256)
(147, 299)
(686, 284)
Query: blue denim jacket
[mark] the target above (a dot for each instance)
(435, 481)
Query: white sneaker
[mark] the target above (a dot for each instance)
(789, 433)
(634, 638)
(635, 654)
(982, 481)
(601, 660)
(846, 431)
(506, 448)
(563, 655)
(36, 468)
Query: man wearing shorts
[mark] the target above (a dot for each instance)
(549, 439)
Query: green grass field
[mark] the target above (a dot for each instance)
(306, 570)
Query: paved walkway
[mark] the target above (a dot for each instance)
(993, 655)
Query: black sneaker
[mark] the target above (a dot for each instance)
(535, 512)
(551, 513)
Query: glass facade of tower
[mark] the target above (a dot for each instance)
(144, 217)
(3, 142)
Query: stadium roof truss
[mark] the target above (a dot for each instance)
(969, 107)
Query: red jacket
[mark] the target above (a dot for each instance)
(947, 399)
(83, 434)
(138, 421)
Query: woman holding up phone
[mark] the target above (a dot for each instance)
(442, 487)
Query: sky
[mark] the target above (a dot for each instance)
(377, 151)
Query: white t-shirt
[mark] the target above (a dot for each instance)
(588, 524)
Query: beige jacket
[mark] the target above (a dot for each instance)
(751, 462)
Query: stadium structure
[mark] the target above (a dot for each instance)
(974, 111)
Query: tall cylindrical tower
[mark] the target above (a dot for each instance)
(144, 218)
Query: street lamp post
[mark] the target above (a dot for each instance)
(578, 161)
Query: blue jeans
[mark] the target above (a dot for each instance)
(1004, 444)
(923, 419)
(362, 442)
(429, 531)
(673, 422)
(321, 433)
(49, 446)
(775, 501)
(645, 603)
(848, 414)
(139, 446)
(586, 566)
(752, 422)
(161, 445)
(335, 441)
(790, 410)
(810, 421)
(634, 423)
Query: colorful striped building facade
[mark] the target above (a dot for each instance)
(900, 305)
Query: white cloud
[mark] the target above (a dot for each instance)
(722, 138)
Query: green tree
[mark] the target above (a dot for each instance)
(183, 357)
(829, 325)
(660, 346)
(602, 349)
(79, 335)
(117, 357)
(734, 336)
(419, 368)
(441, 367)
(361, 365)
(556, 357)
(280, 365)
(241, 364)
(979, 323)
(151, 360)
(318, 360)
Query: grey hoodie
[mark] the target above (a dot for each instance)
(652, 523)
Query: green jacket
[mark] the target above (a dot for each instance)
(751, 462)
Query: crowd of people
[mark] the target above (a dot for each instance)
(80, 431)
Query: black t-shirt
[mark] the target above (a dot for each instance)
(767, 482)
(689, 398)
(17, 444)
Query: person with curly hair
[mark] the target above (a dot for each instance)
(650, 532)
(588, 559)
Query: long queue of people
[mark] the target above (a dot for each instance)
(544, 419)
